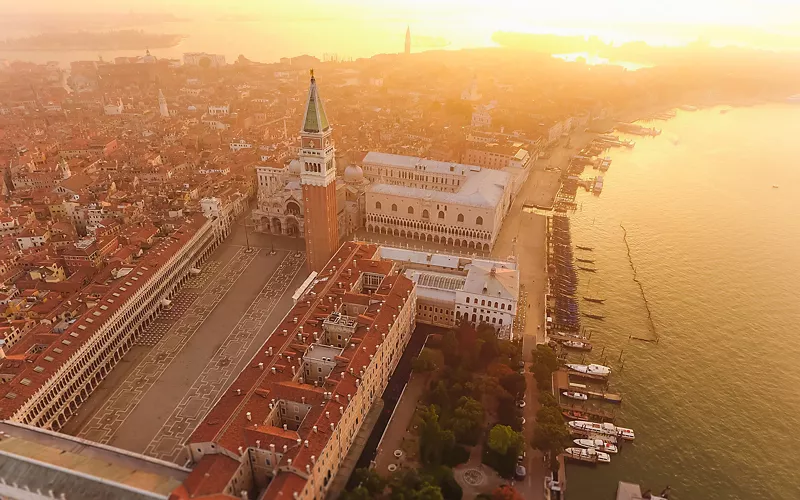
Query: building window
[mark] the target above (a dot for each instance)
(460, 217)
(467, 300)
(411, 210)
(394, 207)
(377, 205)
(483, 302)
(502, 306)
(425, 214)
(441, 214)
(479, 221)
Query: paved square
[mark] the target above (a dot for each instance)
(198, 347)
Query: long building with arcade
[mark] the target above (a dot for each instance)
(285, 425)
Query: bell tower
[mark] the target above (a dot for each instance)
(318, 179)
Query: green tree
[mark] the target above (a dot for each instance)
(440, 395)
(368, 479)
(514, 383)
(467, 420)
(443, 477)
(549, 415)
(408, 484)
(504, 440)
(427, 361)
(435, 442)
(428, 492)
(543, 377)
(451, 349)
(359, 493)
(546, 398)
(545, 363)
(544, 355)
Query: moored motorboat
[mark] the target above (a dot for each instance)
(577, 344)
(594, 316)
(575, 395)
(604, 429)
(597, 444)
(577, 415)
(585, 261)
(584, 248)
(587, 455)
(587, 269)
(592, 369)
(594, 299)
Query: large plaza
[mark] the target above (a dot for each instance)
(167, 383)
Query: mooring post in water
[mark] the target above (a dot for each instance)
(620, 354)
(603, 351)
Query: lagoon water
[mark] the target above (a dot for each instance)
(716, 403)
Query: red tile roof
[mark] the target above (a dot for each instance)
(14, 393)
(227, 424)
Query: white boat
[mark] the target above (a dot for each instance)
(588, 455)
(604, 429)
(592, 369)
(575, 395)
(598, 184)
(577, 344)
(597, 444)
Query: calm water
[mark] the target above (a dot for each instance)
(716, 403)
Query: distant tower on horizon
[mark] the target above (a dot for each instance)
(162, 105)
(318, 180)
(408, 40)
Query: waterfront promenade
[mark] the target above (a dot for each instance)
(524, 236)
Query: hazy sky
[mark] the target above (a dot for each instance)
(728, 12)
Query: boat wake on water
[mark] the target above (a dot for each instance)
(641, 290)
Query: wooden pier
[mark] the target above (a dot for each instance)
(598, 413)
(605, 396)
(561, 383)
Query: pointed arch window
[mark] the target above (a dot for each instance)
(460, 217)
(394, 207)
(411, 210)
(441, 214)
(377, 205)
(479, 221)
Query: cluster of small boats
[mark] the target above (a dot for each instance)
(563, 277)
(633, 128)
(597, 441)
(602, 429)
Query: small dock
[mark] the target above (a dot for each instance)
(558, 337)
(608, 397)
(561, 383)
(598, 413)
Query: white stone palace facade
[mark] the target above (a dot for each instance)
(434, 201)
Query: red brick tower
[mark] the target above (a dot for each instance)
(318, 179)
